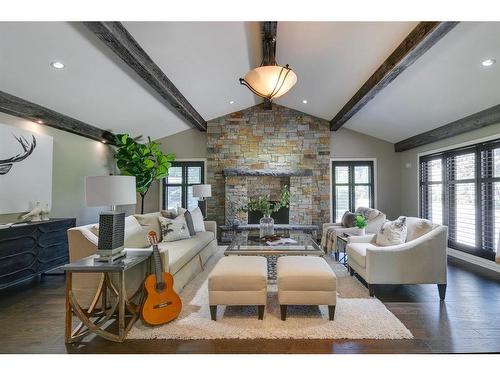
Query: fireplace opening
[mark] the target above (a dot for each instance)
(280, 217)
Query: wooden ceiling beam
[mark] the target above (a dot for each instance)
(420, 39)
(19, 107)
(487, 117)
(123, 44)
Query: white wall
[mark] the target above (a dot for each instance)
(74, 157)
(409, 175)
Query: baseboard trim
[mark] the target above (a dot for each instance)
(481, 262)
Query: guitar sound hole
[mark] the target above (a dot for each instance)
(160, 287)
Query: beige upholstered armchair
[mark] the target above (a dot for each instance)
(420, 260)
(374, 217)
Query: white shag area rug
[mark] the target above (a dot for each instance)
(357, 316)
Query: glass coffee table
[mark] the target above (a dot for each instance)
(246, 244)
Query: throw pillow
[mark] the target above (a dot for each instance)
(392, 232)
(174, 229)
(135, 235)
(189, 222)
(348, 219)
(150, 221)
(198, 222)
(417, 227)
(169, 214)
(368, 213)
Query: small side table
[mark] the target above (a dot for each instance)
(342, 241)
(114, 301)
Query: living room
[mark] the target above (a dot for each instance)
(192, 185)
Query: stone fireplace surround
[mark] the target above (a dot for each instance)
(253, 146)
(242, 184)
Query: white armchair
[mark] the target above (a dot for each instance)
(330, 230)
(421, 260)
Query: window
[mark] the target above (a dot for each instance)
(178, 186)
(461, 189)
(353, 186)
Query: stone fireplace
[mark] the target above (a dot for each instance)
(256, 152)
(242, 184)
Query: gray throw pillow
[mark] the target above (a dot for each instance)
(349, 219)
(189, 222)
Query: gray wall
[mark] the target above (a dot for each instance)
(74, 157)
(409, 174)
(346, 143)
(343, 144)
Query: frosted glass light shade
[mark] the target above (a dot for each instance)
(270, 81)
(109, 190)
(202, 191)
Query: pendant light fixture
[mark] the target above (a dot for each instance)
(269, 80)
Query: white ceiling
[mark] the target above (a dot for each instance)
(447, 83)
(333, 59)
(205, 59)
(94, 87)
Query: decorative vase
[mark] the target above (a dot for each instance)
(45, 213)
(266, 226)
(361, 231)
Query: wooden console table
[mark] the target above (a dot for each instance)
(28, 250)
(113, 298)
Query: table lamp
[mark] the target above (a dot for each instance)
(201, 192)
(110, 191)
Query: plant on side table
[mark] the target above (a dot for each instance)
(361, 224)
(145, 161)
(263, 205)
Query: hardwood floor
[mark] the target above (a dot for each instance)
(32, 321)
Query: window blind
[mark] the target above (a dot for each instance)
(461, 189)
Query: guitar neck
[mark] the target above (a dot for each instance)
(158, 266)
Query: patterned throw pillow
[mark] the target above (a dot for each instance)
(174, 229)
(348, 219)
(368, 213)
(392, 232)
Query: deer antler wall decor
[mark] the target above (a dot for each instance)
(28, 148)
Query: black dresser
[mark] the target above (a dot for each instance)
(28, 250)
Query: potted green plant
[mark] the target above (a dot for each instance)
(361, 224)
(263, 205)
(146, 161)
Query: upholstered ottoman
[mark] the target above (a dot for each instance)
(306, 280)
(238, 281)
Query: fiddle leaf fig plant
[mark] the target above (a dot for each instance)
(146, 161)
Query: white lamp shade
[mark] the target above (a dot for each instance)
(109, 190)
(202, 191)
(266, 79)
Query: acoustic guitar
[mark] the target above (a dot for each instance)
(162, 304)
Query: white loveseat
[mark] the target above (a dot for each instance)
(374, 221)
(420, 260)
(184, 259)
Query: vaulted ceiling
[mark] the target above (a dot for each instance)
(205, 59)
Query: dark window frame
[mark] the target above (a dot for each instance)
(484, 209)
(351, 184)
(184, 184)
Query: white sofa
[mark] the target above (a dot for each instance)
(420, 260)
(330, 230)
(184, 259)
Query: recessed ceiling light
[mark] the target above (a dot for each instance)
(488, 62)
(304, 101)
(57, 64)
(231, 102)
(40, 121)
